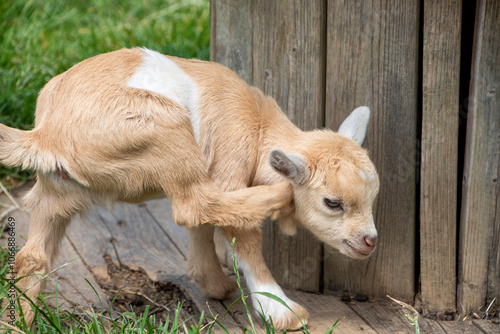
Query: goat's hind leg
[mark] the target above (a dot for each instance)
(52, 209)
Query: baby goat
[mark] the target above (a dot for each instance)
(133, 124)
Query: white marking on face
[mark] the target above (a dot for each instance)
(161, 75)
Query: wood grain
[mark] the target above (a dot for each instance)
(92, 241)
(438, 192)
(372, 49)
(142, 238)
(288, 53)
(431, 326)
(283, 42)
(231, 36)
(140, 243)
(461, 327)
(486, 326)
(384, 317)
(326, 310)
(479, 257)
(161, 212)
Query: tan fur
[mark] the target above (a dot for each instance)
(96, 140)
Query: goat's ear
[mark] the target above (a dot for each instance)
(291, 166)
(354, 126)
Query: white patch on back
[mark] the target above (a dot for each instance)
(161, 75)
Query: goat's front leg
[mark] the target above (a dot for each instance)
(259, 279)
(196, 199)
(244, 208)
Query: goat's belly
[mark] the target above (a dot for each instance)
(147, 196)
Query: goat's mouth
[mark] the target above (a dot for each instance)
(355, 251)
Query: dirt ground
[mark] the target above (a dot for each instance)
(132, 291)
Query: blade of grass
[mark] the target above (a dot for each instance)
(95, 291)
(49, 315)
(414, 319)
(238, 280)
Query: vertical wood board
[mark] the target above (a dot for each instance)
(231, 36)
(231, 40)
(479, 258)
(438, 192)
(278, 47)
(372, 49)
(288, 64)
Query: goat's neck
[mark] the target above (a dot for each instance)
(277, 131)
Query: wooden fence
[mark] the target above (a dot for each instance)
(411, 62)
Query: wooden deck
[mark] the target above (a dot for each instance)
(143, 237)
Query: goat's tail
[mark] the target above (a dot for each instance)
(19, 149)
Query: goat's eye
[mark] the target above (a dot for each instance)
(333, 204)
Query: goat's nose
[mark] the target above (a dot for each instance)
(370, 240)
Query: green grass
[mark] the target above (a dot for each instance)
(42, 38)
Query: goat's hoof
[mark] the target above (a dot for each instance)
(217, 286)
(11, 315)
(288, 320)
(224, 289)
(282, 203)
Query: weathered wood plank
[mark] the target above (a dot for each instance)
(325, 310)
(74, 292)
(161, 212)
(135, 236)
(278, 46)
(486, 326)
(460, 327)
(387, 317)
(288, 64)
(288, 57)
(140, 243)
(92, 241)
(430, 326)
(231, 36)
(479, 257)
(372, 49)
(439, 153)
(383, 317)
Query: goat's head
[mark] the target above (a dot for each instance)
(335, 185)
